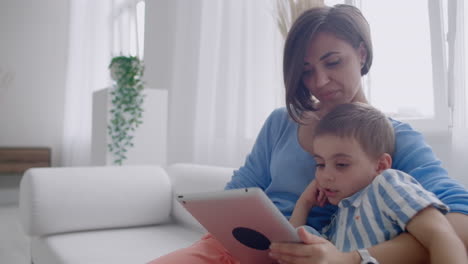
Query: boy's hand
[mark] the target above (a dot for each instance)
(312, 250)
(313, 196)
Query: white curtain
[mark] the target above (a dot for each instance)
(239, 78)
(458, 95)
(457, 32)
(88, 58)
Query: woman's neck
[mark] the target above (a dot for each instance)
(323, 110)
(360, 97)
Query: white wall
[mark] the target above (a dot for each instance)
(33, 46)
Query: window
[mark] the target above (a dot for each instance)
(408, 79)
(128, 22)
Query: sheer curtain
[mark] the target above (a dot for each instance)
(239, 78)
(458, 95)
(458, 47)
(88, 57)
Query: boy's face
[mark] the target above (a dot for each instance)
(342, 166)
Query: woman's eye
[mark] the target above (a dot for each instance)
(333, 63)
(320, 165)
(342, 165)
(307, 73)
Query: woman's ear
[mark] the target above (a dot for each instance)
(362, 51)
(384, 162)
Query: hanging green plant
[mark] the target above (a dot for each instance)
(127, 100)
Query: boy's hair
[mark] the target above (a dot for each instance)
(370, 127)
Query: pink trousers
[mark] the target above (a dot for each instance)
(207, 250)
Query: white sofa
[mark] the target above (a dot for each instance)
(127, 214)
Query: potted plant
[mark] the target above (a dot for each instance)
(126, 109)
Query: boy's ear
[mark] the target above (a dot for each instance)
(384, 162)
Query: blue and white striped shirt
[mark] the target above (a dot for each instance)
(379, 212)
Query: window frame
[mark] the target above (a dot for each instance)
(442, 119)
(123, 32)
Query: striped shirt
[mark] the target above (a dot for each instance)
(379, 212)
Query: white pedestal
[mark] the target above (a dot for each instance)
(150, 141)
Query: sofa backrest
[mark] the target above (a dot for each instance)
(193, 178)
(57, 200)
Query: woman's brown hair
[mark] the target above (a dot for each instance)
(346, 22)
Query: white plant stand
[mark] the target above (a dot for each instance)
(150, 138)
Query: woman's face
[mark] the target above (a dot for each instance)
(332, 70)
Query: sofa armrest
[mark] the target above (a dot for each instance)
(57, 200)
(193, 178)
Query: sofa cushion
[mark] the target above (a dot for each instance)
(129, 245)
(56, 200)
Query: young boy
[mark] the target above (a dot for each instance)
(352, 147)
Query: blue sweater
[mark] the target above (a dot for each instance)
(282, 168)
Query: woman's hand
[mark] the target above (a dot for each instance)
(313, 250)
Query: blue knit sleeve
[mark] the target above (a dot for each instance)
(413, 156)
(256, 170)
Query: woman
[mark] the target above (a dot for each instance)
(327, 51)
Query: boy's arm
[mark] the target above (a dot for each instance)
(312, 196)
(299, 215)
(432, 229)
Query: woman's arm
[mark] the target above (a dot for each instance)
(255, 172)
(405, 248)
(399, 249)
(459, 223)
(413, 156)
(434, 231)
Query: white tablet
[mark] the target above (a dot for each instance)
(245, 221)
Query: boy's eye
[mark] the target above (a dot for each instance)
(320, 165)
(342, 165)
